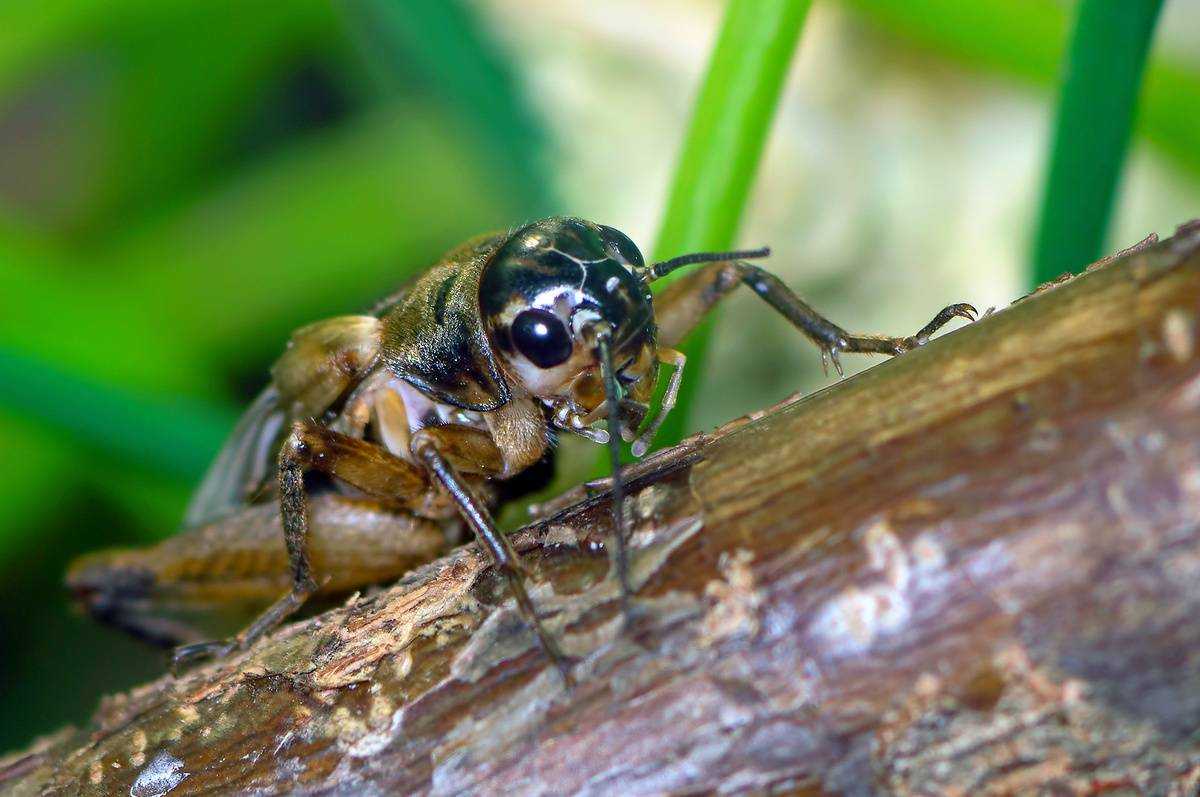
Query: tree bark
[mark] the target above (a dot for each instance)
(972, 569)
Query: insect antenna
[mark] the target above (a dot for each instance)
(665, 267)
(612, 397)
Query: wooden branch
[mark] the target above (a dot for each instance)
(972, 569)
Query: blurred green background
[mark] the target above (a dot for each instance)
(184, 182)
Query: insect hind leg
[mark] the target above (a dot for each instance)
(357, 462)
(123, 597)
(294, 512)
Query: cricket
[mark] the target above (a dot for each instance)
(381, 435)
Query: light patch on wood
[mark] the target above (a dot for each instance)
(137, 743)
(370, 744)
(187, 714)
(345, 725)
(650, 557)
(642, 510)
(479, 738)
(365, 737)
(402, 664)
(559, 534)
(283, 742)
(854, 619)
(885, 553)
(161, 775)
(1179, 335)
(648, 501)
(927, 686)
(928, 554)
(737, 599)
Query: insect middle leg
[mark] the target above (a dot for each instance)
(451, 449)
(685, 302)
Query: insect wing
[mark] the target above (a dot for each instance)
(245, 461)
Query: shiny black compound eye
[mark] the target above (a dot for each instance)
(541, 337)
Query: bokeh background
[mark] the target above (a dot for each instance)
(182, 182)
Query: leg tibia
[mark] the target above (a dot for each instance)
(366, 466)
(685, 302)
(425, 447)
(828, 336)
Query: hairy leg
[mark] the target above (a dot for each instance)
(445, 451)
(355, 461)
(239, 562)
(682, 305)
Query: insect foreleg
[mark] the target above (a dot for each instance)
(426, 447)
(684, 303)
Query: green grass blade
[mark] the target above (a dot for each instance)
(1013, 38)
(64, 309)
(723, 146)
(1095, 115)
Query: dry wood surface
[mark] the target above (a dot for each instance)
(973, 569)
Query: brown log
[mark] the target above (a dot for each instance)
(972, 569)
